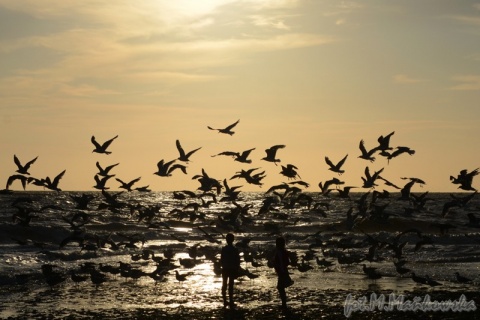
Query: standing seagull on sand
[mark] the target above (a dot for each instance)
(227, 130)
(336, 167)
(272, 152)
(184, 156)
(23, 169)
(102, 148)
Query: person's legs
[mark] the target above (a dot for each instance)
(231, 279)
(224, 289)
(281, 292)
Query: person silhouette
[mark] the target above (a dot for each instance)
(230, 261)
(281, 261)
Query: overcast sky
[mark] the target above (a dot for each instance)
(317, 76)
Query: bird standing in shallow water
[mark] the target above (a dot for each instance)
(461, 279)
(181, 277)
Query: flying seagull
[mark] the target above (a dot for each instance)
(336, 167)
(272, 152)
(104, 171)
(165, 169)
(184, 156)
(240, 157)
(367, 155)
(23, 169)
(102, 148)
(227, 130)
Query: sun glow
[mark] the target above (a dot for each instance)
(192, 7)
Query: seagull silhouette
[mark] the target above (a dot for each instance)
(53, 184)
(465, 179)
(369, 180)
(104, 171)
(100, 182)
(165, 169)
(398, 151)
(227, 130)
(367, 155)
(336, 167)
(103, 147)
(184, 156)
(14, 177)
(240, 157)
(127, 185)
(384, 142)
(272, 152)
(23, 169)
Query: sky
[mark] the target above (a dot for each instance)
(317, 76)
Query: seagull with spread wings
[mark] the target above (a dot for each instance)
(336, 167)
(240, 157)
(102, 148)
(104, 171)
(272, 153)
(226, 130)
(367, 155)
(53, 184)
(185, 156)
(165, 169)
(127, 185)
(23, 169)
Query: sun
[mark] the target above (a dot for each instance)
(194, 7)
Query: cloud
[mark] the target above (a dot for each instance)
(468, 20)
(114, 48)
(405, 79)
(273, 22)
(466, 83)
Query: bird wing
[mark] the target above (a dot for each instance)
(329, 162)
(362, 147)
(247, 152)
(341, 162)
(193, 151)
(228, 153)
(232, 125)
(180, 149)
(29, 163)
(58, 177)
(95, 143)
(108, 142)
(17, 162)
(15, 177)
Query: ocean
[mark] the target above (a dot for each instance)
(330, 238)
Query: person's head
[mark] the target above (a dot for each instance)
(280, 243)
(230, 237)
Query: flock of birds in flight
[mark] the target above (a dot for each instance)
(166, 168)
